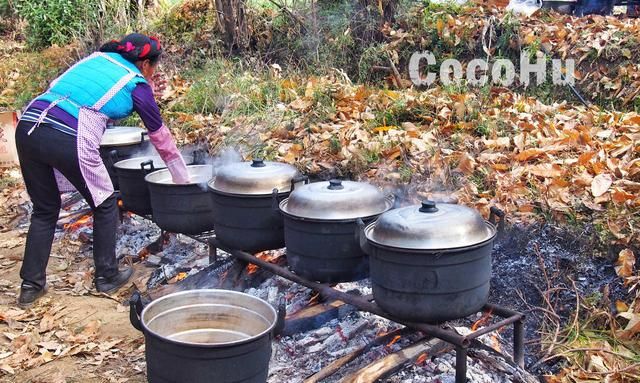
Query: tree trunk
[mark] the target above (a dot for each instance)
(232, 21)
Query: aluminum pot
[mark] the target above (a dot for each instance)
(245, 203)
(120, 143)
(430, 263)
(320, 227)
(133, 188)
(205, 336)
(182, 208)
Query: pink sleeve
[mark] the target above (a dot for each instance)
(166, 147)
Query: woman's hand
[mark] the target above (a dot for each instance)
(158, 84)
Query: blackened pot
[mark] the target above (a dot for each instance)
(324, 251)
(426, 286)
(249, 223)
(184, 208)
(133, 188)
(430, 264)
(320, 228)
(121, 143)
(206, 336)
(245, 203)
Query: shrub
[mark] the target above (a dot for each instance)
(56, 21)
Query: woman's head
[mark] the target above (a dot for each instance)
(142, 50)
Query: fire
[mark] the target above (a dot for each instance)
(482, 321)
(120, 204)
(181, 275)
(394, 340)
(82, 221)
(267, 256)
(422, 358)
(314, 299)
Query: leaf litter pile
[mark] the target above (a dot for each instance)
(555, 162)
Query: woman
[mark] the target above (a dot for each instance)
(59, 136)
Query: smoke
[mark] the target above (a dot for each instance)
(226, 156)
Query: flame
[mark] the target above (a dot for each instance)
(181, 275)
(314, 299)
(82, 221)
(120, 203)
(482, 321)
(394, 340)
(144, 253)
(267, 256)
(422, 358)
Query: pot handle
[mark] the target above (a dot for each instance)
(275, 203)
(361, 238)
(297, 179)
(145, 164)
(143, 134)
(135, 310)
(497, 213)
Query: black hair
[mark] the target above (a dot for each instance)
(135, 47)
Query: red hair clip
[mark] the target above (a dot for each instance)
(145, 50)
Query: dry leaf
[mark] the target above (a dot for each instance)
(624, 264)
(600, 184)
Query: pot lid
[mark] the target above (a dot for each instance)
(430, 227)
(336, 200)
(121, 135)
(255, 177)
(198, 174)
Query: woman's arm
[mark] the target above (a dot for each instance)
(145, 105)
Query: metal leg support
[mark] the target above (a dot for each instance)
(518, 343)
(213, 253)
(461, 364)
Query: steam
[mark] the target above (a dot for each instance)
(225, 157)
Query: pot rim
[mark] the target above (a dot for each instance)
(147, 177)
(150, 332)
(240, 195)
(370, 226)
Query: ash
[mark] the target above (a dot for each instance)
(297, 357)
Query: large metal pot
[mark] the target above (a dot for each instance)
(245, 203)
(133, 188)
(120, 143)
(430, 263)
(320, 227)
(182, 208)
(205, 336)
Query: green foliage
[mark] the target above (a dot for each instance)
(55, 21)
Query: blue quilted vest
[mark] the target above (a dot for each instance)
(88, 81)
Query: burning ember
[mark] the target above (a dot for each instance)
(85, 220)
(394, 340)
(482, 321)
(181, 275)
(268, 256)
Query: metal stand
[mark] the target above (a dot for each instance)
(462, 343)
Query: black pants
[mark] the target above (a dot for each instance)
(39, 153)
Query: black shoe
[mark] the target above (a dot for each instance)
(109, 285)
(29, 295)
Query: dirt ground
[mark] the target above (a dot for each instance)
(76, 313)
